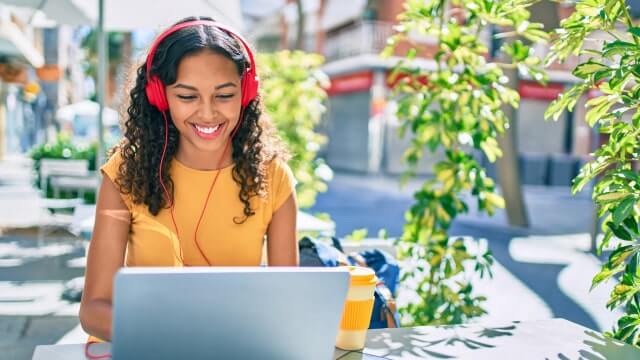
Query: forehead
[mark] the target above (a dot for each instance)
(205, 67)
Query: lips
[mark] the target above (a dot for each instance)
(208, 132)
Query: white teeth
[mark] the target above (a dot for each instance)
(207, 130)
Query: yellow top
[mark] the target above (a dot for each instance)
(153, 240)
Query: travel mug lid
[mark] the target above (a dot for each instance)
(362, 276)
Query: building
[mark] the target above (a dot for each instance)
(361, 124)
(40, 70)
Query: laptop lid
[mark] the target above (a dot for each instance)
(227, 312)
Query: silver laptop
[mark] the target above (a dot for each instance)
(227, 313)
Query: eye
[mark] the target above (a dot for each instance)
(225, 96)
(186, 97)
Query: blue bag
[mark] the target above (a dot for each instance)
(385, 314)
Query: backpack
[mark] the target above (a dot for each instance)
(384, 314)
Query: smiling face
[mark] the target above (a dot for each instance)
(204, 104)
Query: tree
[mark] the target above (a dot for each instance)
(294, 94)
(612, 70)
(458, 109)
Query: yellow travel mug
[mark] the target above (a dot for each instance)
(356, 315)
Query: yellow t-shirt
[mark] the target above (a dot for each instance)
(153, 240)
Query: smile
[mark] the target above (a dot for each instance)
(208, 132)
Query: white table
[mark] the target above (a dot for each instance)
(544, 339)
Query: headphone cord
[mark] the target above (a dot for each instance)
(213, 183)
(88, 355)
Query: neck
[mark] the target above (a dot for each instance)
(199, 160)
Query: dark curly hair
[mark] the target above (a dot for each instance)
(254, 146)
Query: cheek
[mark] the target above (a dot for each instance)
(230, 111)
(179, 113)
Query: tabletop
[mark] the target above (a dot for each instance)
(545, 339)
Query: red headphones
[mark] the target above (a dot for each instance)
(155, 88)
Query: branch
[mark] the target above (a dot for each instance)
(629, 21)
(441, 17)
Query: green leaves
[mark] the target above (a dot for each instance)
(457, 113)
(585, 69)
(293, 89)
(635, 31)
(614, 71)
(565, 101)
(624, 209)
(619, 47)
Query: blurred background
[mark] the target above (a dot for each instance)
(57, 85)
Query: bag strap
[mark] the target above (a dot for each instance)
(385, 295)
(358, 259)
(388, 302)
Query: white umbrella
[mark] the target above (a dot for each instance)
(128, 15)
(61, 11)
(87, 108)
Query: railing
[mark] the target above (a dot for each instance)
(364, 37)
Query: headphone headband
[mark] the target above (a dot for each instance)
(155, 88)
(183, 25)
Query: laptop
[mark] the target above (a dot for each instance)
(227, 312)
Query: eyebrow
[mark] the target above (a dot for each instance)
(189, 87)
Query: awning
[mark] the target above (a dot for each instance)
(129, 15)
(13, 43)
(61, 11)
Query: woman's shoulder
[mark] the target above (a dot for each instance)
(112, 165)
(111, 169)
(282, 181)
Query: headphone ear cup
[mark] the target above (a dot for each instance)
(249, 88)
(156, 95)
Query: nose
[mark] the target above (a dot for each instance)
(208, 111)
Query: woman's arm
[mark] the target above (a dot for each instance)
(282, 245)
(106, 256)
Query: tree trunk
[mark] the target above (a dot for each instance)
(300, 32)
(508, 174)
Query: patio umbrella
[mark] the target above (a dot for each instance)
(87, 108)
(128, 15)
(61, 11)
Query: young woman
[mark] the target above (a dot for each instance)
(200, 177)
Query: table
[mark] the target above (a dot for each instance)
(545, 339)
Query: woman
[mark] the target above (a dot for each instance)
(200, 177)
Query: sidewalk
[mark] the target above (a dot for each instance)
(31, 277)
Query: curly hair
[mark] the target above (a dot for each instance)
(254, 145)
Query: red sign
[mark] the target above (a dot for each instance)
(533, 90)
(393, 82)
(351, 83)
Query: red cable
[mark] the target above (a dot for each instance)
(213, 183)
(88, 355)
(169, 198)
(195, 234)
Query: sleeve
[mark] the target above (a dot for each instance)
(111, 170)
(283, 183)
